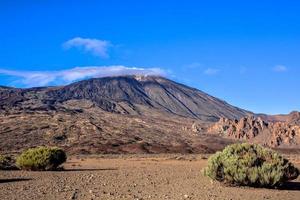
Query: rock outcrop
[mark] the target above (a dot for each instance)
(273, 134)
(284, 134)
(197, 127)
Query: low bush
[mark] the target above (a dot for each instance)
(250, 165)
(41, 159)
(7, 163)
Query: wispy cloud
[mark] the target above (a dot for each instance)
(280, 68)
(94, 46)
(44, 78)
(211, 71)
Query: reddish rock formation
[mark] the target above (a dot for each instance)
(274, 134)
(284, 134)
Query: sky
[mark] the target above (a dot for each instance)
(244, 52)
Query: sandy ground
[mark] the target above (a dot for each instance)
(131, 177)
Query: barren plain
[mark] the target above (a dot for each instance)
(161, 176)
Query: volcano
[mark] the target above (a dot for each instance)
(122, 114)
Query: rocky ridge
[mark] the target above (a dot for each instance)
(273, 134)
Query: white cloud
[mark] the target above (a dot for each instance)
(94, 46)
(211, 71)
(44, 78)
(280, 68)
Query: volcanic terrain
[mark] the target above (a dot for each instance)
(131, 114)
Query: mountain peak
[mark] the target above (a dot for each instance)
(140, 78)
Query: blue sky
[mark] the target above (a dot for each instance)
(245, 52)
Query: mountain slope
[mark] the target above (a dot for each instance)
(291, 118)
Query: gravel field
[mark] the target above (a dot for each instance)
(158, 177)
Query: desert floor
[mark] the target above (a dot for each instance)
(131, 177)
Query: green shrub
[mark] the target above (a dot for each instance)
(250, 165)
(41, 159)
(7, 163)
